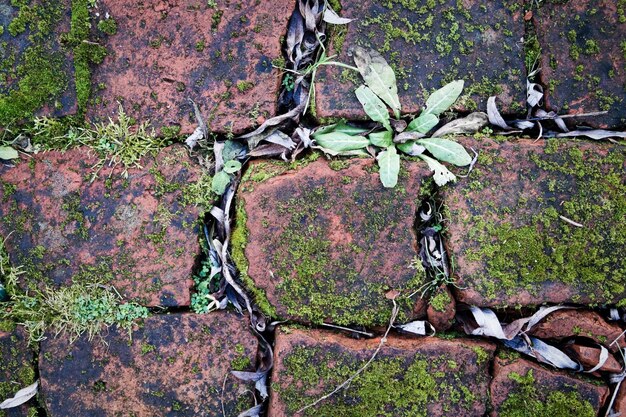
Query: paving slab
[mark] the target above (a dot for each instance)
(218, 53)
(540, 222)
(36, 72)
(134, 230)
(523, 388)
(325, 242)
(409, 377)
(17, 368)
(429, 44)
(583, 61)
(174, 365)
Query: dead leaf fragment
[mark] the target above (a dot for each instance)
(469, 124)
(20, 397)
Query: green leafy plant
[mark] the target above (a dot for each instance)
(207, 282)
(389, 140)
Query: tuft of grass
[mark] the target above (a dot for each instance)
(80, 308)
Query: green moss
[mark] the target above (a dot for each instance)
(388, 387)
(310, 267)
(239, 240)
(108, 26)
(525, 401)
(482, 356)
(243, 86)
(440, 301)
(525, 243)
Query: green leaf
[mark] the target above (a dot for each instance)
(338, 127)
(447, 151)
(339, 142)
(373, 106)
(423, 123)
(379, 76)
(232, 149)
(442, 99)
(7, 152)
(220, 182)
(381, 139)
(389, 163)
(232, 166)
(441, 176)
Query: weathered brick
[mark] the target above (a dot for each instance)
(134, 232)
(428, 46)
(217, 53)
(521, 386)
(425, 376)
(17, 369)
(326, 242)
(583, 61)
(36, 72)
(173, 365)
(506, 236)
(564, 324)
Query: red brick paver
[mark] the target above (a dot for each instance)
(583, 61)
(429, 44)
(427, 376)
(540, 222)
(174, 365)
(136, 233)
(327, 243)
(520, 386)
(217, 53)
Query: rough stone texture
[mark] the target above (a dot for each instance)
(428, 46)
(32, 58)
(175, 365)
(566, 323)
(441, 309)
(506, 237)
(165, 52)
(329, 245)
(523, 386)
(583, 62)
(409, 377)
(16, 368)
(135, 233)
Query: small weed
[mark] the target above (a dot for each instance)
(76, 309)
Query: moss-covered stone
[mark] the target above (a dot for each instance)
(328, 245)
(408, 377)
(541, 222)
(429, 43)
(586, 66)
(17, 368)
(523, 389)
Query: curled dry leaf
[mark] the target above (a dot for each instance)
(407, 136)
(596, 134)
(494, 115)
(534, 94)
(20, 397)
(472, 123)
(330, 16)
(417, 327)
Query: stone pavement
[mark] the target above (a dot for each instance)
(320, 242)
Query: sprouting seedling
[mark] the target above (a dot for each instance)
(379, 93)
